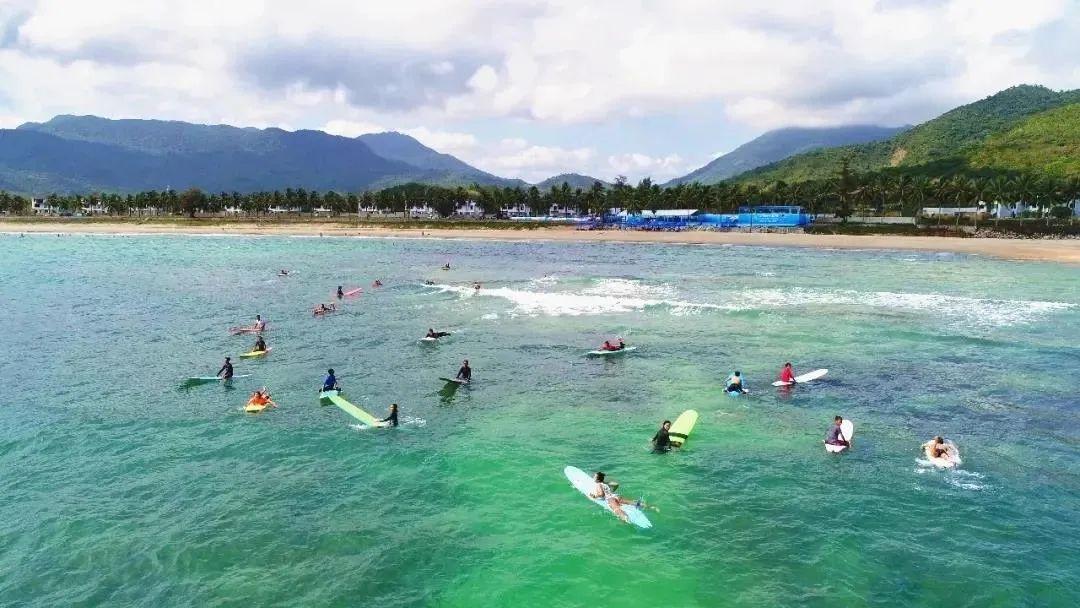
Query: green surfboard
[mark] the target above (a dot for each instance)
(682, 426)
(350, 409)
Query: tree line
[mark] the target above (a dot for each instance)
(845, 194)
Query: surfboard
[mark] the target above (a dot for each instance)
(201, 379)
(807, 377)
(429, 339)
(255, 408)
(584, 483)
(605, 353)
(351, 292)
(245, 330)
(257, 353)
(335, 398)
(454, 380)
(680, 429)
(847, 431)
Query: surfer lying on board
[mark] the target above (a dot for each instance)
(391, 420)
(835, 436)
(322, 309)
(283, 273)
(609, 346)
(734, 383)
(260, 344)
(330, 384)
(936, 448)
(613, 500)
(787, 374)
(431, 333)
(661, 440)
(261, 397)
(465, 373)
(226, 371)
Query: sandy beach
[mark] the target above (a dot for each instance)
(1064, 251)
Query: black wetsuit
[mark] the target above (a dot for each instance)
(465, 373)
(392, 418)
(227, 368)
(260, 345)
(661, 441)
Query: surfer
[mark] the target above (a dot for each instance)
(787, 374)
(835, 436)
(465, 373)
(661, 441)
(377, 283)
(259, 323)
(428, 282)
(226, 371)
(446, 266)
(330, 384)
(322, 309)
(431, 333)
(616, 502)
(340, 293)
(261, 397)
(391, 420)
(612, 347)
(936, 448)
(260, 345)
(476, 286)
(734, 383)
(283, 273)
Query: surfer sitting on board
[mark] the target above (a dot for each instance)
(330, 384)
(936, 448)
(431, 333)
(226, 371)
(260, 345)
(259, 323)
(661, 441)
(603, 491)
(340, 293)
(465, 373)
(391, 420)
(787, 374)
(446, 266)
(734, 383)
(835, 435)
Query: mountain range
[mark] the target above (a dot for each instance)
(1023, 128)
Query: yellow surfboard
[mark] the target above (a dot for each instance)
(682, 426)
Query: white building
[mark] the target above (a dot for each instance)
(518, 210)
(469, 209)
(41, 207)
(421, 211)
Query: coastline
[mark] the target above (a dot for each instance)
(1065, 251)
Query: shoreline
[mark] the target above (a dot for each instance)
(1065, 251)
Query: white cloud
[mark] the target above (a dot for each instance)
(352, 128)
(660, 168)
(450, 142)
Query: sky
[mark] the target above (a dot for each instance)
(532, 88)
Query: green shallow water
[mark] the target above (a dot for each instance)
(121, 487)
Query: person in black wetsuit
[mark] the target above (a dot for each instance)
(465, 373)
(260, 345)
(226, 371)
(340, 293)
(392, 418)
(431, 333)
(661, 440)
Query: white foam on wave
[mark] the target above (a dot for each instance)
(976, 310)
(559, 303)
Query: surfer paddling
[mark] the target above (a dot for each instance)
(607, 345)
(937, 448)
(431, 333)
(603, 491)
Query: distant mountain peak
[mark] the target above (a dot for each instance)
(575, 180)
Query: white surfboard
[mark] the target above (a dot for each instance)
(807, 377)
(585, 484)
(454, 380)
(847, 431)
(428, 339)
(604, 353)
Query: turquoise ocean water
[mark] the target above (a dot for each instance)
(120, 486)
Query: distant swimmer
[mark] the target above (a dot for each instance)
(937, 448)
(476, 286)
(787, 374)
(322, 309)
(431, 333)
(734, 383)
(446, 266)
(603, 491)
(391, 420)
(835, 435)
(226, 371)
(465, 373)
(283, 273)
(330, 383)
(429, 282)
(340, 292)
(609, 346)
(661, 440)
(377, 283)
(260, 345)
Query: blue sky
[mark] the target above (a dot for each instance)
(531, 88)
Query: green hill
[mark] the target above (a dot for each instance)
(945, 144)
(1048, 142)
